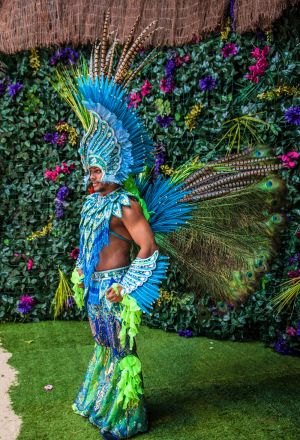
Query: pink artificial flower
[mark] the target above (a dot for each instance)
(178, 60)
(261, 65)
(186, 58)
(52, 175)
(286, 158)
(146, 88)
(291, 331)
(229, 49)
(256, 53)
(74, 253)
(135, 99)
(29, 264)
(167, 85)
(293, 154)
(265, 51)
(48, 387)
(27, 299)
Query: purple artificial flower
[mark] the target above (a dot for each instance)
(24, 308)
(207, 83)
(185, 333)
(3, 88)
(13, 89)
(51, 137)
(164, 121)
(170, 67)
(229, 49)
(70, 302)
(298, 329)
(62, 193)
(160, 157)
(25, 304)
(292, 115)
(295, 258)
(65, 55)
(59, 209)
(282, 346)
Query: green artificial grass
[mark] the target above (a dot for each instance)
(195, 388)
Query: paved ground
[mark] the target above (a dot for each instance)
(10, 423)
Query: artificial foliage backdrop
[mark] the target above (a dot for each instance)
(203, 100)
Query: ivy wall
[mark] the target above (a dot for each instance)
(192, 100)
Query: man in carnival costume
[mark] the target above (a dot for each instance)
(215, 219)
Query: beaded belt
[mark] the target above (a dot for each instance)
(106, 274)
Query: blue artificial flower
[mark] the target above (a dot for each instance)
(292, 115)
(207, 83)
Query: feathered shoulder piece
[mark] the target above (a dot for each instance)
(115, 139)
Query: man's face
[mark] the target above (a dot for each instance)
(95, 176)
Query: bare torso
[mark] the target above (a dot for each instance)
(116, 254)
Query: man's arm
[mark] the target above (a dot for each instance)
(141, 233)
(139, 229)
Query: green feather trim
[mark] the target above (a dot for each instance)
(78, 291)
(67, 87)
(131, 187)
(130, 384)
(131, 319)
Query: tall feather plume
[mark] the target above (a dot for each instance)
(104, 41)
(149, 58)
(122, 70)
(96, 59)
(110, 57)
(128, 42)
(91, 65)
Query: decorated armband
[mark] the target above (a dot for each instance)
(143, 278)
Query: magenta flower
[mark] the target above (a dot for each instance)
(25, 304)
(29, 264)
(291, 331)
(286, 159)
(146, 88)
(229, 49)
(27, 299)
(261, 65)
(74, 253)
(167, 85)
(135, 99)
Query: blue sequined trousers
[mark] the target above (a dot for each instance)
(99, 389)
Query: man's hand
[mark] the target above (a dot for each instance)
(113, 296)
(80, 273)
